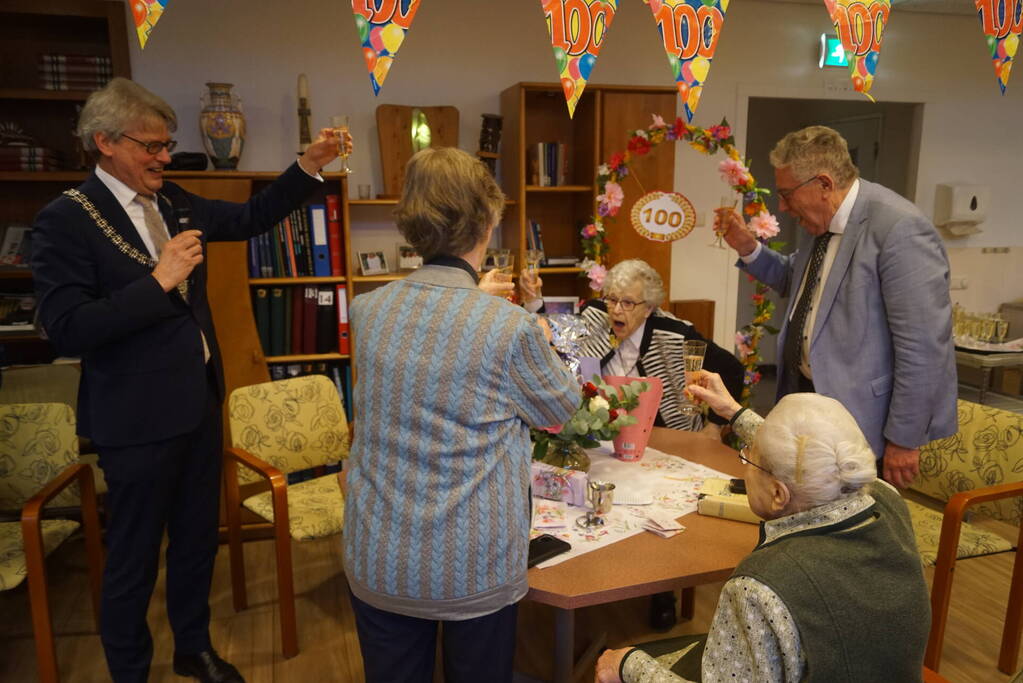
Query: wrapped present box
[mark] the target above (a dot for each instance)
(556, 483)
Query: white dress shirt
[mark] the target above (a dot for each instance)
(837, 228)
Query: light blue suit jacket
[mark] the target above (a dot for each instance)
(882, 340)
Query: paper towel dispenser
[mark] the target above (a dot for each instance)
(960, 208)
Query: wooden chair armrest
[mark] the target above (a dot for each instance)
(33, 508)
(258, 466)
(958, 503)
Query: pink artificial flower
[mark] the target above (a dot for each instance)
(733, 172)
(764, 225)
(589, 231)
(720, 133)
(596, 273)
(612, 197)
(658, 122)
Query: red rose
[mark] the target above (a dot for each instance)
(639, 145)
(616, 160)
(614, 414)
(589, 390)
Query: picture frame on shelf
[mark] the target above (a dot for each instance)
(373, 263)
(561, 304)
(408, 258)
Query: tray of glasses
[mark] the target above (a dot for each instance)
(976, 346)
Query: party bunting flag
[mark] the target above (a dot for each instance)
(689, 30)
(859, 24)
(1002, 21)
(382, 27)
(146, 13)
(578, 29)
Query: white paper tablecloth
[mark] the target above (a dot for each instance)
(672, 482)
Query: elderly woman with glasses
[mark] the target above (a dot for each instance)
(834, 590)
(633, 337)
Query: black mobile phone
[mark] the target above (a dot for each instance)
(737, 486)
(544, 547)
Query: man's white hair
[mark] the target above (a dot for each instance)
(813, 444)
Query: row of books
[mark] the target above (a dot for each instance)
(534, 240)
(338, 373)
(302, 319)
(25, 158)
(548, 164)
(73, 72)
(308, 243)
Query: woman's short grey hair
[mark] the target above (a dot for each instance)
(627, 273)
(449, 202)
(815, 150)
(813, 444)
(117, 108)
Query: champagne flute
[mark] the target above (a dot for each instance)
(1002, 330)
(340, 125)
(726, 205)
(693, 353)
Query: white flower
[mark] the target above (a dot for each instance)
(603, 169)
(598, 402)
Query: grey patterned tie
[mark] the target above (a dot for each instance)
(793, 352)
(158, 234)
(154, 223)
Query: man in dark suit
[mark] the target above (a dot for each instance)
(120, 273)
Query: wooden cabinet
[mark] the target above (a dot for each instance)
(28, 30)
(535, 113)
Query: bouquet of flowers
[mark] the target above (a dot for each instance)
(601, 415)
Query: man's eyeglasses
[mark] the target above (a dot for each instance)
(626, 304)
(787, 194)
(156, 146)
(744, 458)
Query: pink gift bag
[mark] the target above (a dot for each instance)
(631, 441)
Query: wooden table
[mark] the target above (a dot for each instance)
(987, 362)
(706, 552)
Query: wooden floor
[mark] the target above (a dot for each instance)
(329, 646)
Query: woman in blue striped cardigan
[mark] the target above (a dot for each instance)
(450, 379)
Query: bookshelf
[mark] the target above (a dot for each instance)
(535, 113)
(29, 29)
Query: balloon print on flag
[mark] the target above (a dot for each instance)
(146, 14)
(1002, 21)
(859, 24)
(382, 26)
(577, 29)
(689, 30)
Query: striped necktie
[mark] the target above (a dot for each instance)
(793, 351)
(154, 223)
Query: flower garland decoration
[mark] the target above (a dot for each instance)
(734, 171)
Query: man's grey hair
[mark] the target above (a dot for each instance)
(118, 107)
(627, 273)
(813, 444)
(814, 150)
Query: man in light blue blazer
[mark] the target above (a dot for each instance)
(869, 318)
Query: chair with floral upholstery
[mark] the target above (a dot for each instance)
(277, 428)
(980, 467)
(39, 466)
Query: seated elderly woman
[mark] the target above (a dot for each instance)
(644, 340)
(834, 590)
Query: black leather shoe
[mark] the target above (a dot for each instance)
(662, 611)
(208, 667)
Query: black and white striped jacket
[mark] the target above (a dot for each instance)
(661, 355)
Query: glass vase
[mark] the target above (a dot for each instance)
(566, 454)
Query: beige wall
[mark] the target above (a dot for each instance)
(970, 132)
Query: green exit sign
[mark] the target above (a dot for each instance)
(832, 52)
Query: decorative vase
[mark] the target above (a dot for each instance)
(566, 454)
(632, 440)
(222, 125)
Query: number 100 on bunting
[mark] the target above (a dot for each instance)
(663, 216)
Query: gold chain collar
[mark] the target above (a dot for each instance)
(115, 237)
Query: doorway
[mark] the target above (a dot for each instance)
(883, 138)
